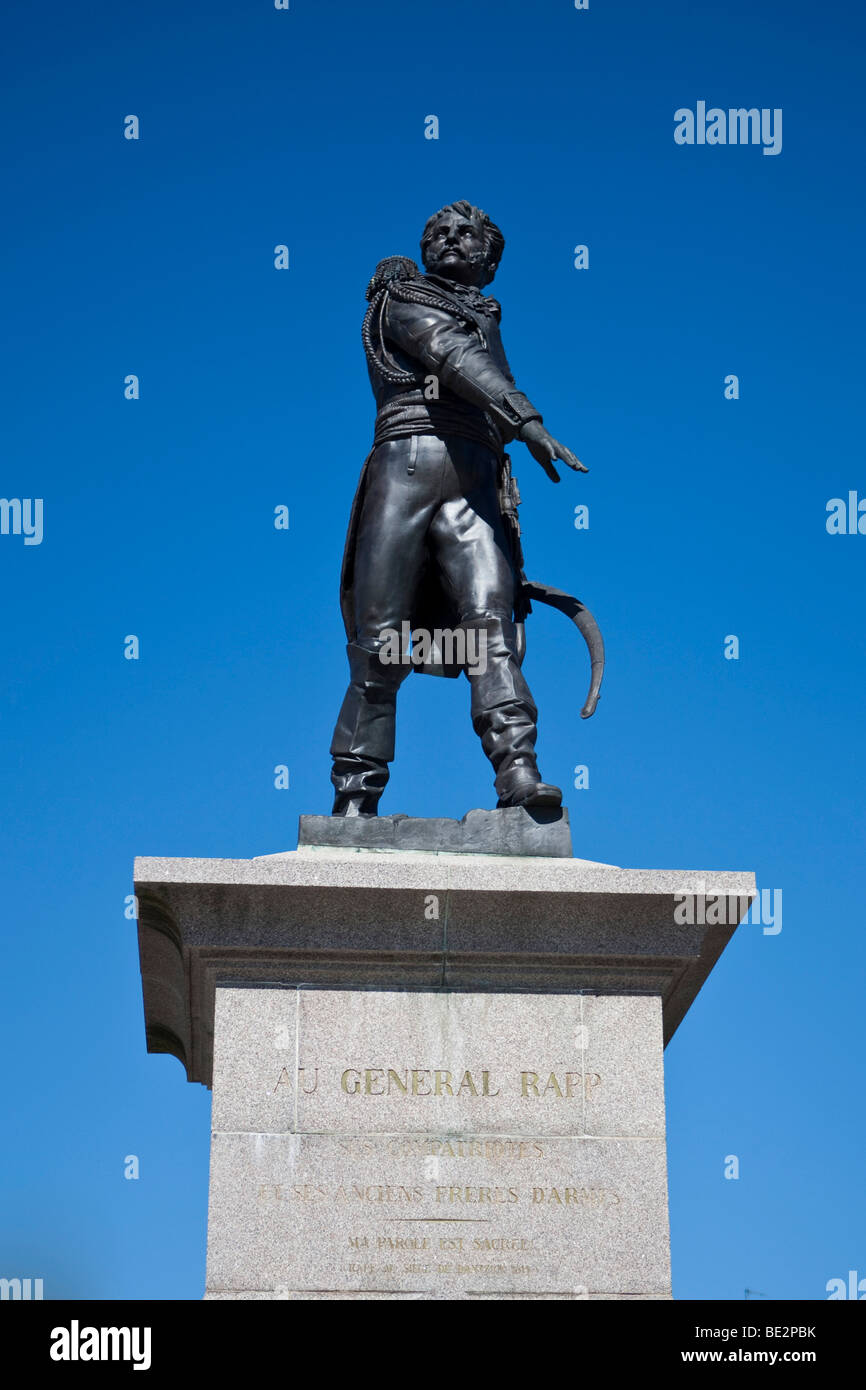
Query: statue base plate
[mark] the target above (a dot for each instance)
(516, 830)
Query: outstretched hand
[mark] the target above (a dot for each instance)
(544, 449)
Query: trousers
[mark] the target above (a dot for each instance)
(430, 500)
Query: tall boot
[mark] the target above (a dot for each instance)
(505, 717)
(363, 742)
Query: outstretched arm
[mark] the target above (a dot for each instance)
(544, 449)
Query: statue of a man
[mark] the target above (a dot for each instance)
(429, 544)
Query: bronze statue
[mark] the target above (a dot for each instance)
(433, 545)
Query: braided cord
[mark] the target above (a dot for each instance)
(409, 292)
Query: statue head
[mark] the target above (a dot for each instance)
(461, 243)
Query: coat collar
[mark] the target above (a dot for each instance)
(469, 295)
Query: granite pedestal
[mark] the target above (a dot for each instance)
(436, 1074)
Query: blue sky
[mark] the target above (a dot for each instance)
(707, 518)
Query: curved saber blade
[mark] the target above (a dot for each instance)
(586, 625)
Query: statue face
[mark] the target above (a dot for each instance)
(456, 250)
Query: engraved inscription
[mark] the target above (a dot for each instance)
(413, 1082)
(417, 1081)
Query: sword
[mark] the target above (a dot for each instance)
(586, 626)
(509, 501)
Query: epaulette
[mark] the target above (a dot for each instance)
(390, 269)
(399, 278)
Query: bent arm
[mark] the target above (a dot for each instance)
(451, 352)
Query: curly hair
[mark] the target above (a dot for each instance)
(494, 241)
